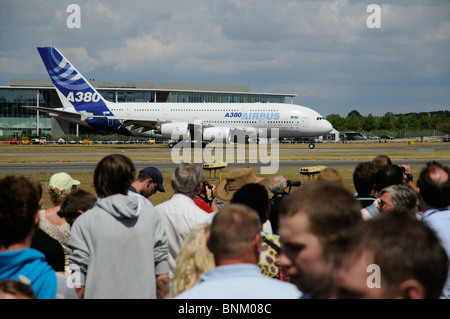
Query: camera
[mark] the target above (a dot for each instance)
(204, 195)
(293, 183)
(206, 184)
(409, 177)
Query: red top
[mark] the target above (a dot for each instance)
(202, 204)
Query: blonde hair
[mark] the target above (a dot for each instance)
(56, 196)
(193, 260)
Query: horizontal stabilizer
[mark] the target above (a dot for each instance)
(55, 112)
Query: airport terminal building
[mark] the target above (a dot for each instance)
(14, 119)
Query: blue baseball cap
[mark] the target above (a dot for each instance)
(154, 173)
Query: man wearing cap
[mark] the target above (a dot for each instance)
(119, 249)
(149, 181)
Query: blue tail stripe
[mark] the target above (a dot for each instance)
(71, 83)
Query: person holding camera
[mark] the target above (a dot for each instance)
(207, 199)
(278, 185)
(408, 179)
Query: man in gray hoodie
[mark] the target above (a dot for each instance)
(119, 247)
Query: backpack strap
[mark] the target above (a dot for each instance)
(271, 244)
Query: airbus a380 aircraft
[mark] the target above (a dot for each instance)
(216, 122)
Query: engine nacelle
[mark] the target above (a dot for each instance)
(175, 131)
(217, 134)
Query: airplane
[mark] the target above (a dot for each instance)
(212, 122)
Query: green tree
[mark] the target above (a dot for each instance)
(386, 122)
(413, 123)
(355, 112)
(337, 121)
(353, 122)
(369, 123)
(400, 122)
(425, 122)
(436, 119)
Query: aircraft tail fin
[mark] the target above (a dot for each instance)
(72, 88)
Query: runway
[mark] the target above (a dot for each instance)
(82, 159)
(88, 167)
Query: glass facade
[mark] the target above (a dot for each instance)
(134, 96)
(122, 96)
(191, 97)
(108, 95)
(14, 119)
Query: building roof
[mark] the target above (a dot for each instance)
(146, 86)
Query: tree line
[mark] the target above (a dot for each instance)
(390, 122)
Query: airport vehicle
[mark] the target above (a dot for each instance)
(386, 137)
(26, 140)
(373, 137)
(38, 140)
(14, 139)
(200, 122)
(350, 136)
(446, 139)
(86, 142)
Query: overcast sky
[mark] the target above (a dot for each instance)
(323, 51)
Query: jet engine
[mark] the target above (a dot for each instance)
(175, 131)
(217, 134)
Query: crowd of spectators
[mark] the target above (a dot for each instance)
(388, 239)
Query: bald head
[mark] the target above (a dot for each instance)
(278, 184)
(233, 231)
(434, 185)
(438, 175)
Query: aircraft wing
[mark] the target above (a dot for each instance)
(56, 112)
(145, 125)
(148, 125)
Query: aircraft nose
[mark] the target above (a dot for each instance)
(327, 126)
